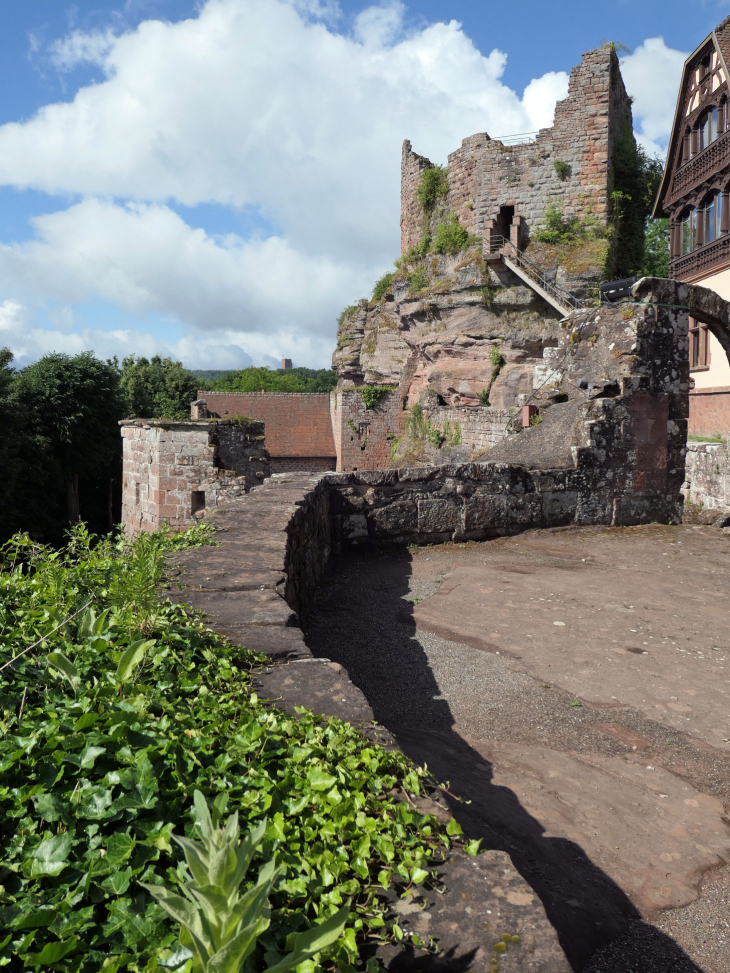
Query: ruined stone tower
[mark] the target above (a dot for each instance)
(505, 189)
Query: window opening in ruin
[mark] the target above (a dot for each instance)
(136, 493)
(504, 221)
(197, 501)
(699, 345)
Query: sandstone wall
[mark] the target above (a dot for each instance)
(480, 428)
(708, 476)
(173, 471)
(365, 437)
(709, 412)
(484, 174)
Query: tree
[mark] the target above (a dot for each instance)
(72, 407)
(158, 388)
(260, 379)
(656, 249)
(11, 447)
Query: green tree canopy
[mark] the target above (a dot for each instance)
(11, 446)
(158, 388)
(72, 405)
(255, 379)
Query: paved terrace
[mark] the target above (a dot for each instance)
(571, 684)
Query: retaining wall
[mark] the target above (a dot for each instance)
(708, 475)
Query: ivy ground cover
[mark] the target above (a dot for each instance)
(108, 725)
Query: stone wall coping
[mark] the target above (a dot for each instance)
(185, 423)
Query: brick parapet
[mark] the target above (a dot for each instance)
(298, 424)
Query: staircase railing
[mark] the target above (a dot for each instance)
(513, 253)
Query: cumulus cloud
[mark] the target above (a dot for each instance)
(652, 74)
(263, 103)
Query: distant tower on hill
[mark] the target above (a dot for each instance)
(286, 364)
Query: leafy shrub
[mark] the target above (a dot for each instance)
(416, 253)
(372, 394)
(257, 378)
(656, 249)
(434, 183)
(496, 357)
(98, 766)
(555, 227)
(383, 285)
(562, 169)
(483, 397)
(346, 314)
(418, 280)
(221, 926)
(451, 237)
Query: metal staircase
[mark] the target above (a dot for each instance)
(512, 257)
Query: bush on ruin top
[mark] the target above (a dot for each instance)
(383, 285)
(434, 183)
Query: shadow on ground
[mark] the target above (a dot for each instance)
(362, 620)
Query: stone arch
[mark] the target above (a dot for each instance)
(701, 303)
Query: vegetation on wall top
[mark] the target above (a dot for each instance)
(432, 185)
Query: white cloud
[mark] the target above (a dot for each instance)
(250, 103)
(652, 74)
(540, 96)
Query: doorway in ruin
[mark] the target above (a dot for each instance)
(504, 220)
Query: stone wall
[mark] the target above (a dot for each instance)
(708, 476)
(365, 437)
(480, 428)
(484, 174)
(173, 471)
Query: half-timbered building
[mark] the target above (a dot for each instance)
(695, 197)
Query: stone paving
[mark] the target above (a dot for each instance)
(594, 751)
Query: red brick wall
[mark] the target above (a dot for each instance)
(307, 464)
(297, 424)
(709, 412)
(367, 435)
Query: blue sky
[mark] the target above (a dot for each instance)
(218, 189)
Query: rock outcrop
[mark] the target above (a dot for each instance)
(445, 334)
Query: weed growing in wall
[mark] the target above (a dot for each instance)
(114, 713)
(433, 184)
(345, 315)
(450, 236)
(372, 394)
(483, 397)
(562, 169)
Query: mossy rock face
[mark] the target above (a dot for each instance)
(584, 259)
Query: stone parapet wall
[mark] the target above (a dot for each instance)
(708, 476)
(172, 471)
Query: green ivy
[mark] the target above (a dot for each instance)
(104, 738)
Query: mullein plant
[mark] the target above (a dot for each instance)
(221, 925)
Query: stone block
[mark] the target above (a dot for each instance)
(439, 516)
(396, 519)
